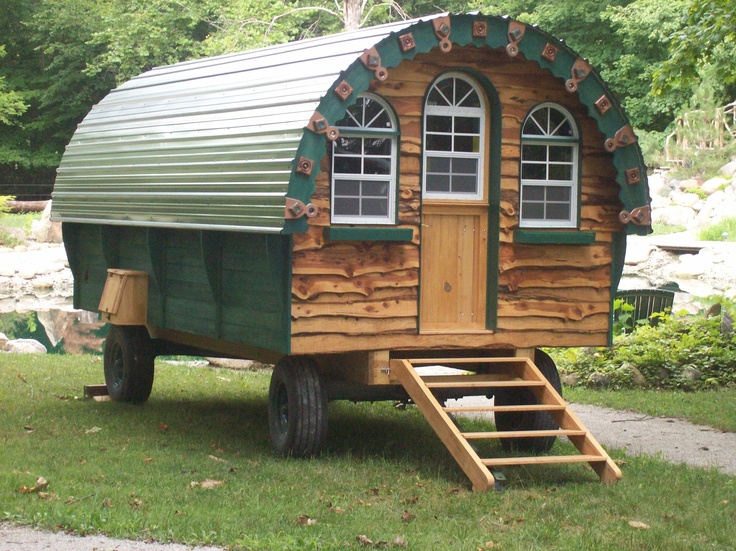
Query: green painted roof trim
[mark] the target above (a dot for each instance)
(531, 46)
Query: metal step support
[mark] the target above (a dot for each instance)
(505, 372)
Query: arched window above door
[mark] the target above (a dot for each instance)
(549, 187)
(454, 136)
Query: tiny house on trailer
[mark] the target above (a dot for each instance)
(454, 190)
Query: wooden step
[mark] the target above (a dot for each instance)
(493, 409)
(420, 390)
(523, 434)
(484, 384)
(542, 460)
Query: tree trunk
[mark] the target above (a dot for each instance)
(352, 11)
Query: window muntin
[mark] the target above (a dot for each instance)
(549, 169)
(364, 164)
(454, 124)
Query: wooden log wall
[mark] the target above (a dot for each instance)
(363, 295)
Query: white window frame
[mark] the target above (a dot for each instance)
(548, 139)
(364, 132)
(455, 111)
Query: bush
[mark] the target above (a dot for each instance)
(691, 353)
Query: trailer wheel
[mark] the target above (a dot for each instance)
(297, 408)
(128, 360)
(528, 420)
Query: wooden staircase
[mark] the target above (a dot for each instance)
(503, 372)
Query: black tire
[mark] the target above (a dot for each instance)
(528, 420)
(297, 408)
(128, 360)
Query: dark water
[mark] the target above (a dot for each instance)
(60, 331)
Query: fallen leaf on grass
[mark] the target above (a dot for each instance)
(163, 427)
(216, 459)
(488, 545)
(724, 502)
(637, 524)
(207, 484)
(364, 540)
(41, 485)
(148, 460)
(305, 520)
(399, 541)
(93, 430)
(136, 503)
(406, 517)
(28, 428)
(47, 496)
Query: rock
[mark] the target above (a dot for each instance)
(20, 248)
(658, 186)
(714, 184)
(638, 251)
(230, 363)
(44, 230)
(599, 380)
(674, 215)
(571, 379)
(3, 340)
(684, 199)
(6, 271)
(25, 346)
(729, 169)
(636, 376)
(691, 374)
(691, 183)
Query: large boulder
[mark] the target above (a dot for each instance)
(674, 215)
(714, 184)
(44, 230)
(729, 169)
(25, 346)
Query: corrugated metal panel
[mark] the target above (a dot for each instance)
(203, 144)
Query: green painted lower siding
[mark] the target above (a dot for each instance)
(230, 286)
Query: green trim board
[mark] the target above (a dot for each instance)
(554, 237)
(336, 233)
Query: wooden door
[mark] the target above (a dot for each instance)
(453, 267)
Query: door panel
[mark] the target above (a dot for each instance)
(454, 266)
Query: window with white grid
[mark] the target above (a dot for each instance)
(364, 164)
(549, 169)
(454, 129)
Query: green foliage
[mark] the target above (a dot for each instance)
(11, 104)
(652, 147)
(704, 47)
(666, 355)
(723, 230)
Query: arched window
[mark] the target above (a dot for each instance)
(364, 164)
(454, 130)
(549, 169)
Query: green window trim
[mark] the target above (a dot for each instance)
(554, 237)
(368, 234)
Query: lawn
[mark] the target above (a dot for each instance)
(194, 465)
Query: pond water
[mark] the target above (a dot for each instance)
(60, 328)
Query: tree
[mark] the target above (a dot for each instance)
(11, 104)
(703, 51)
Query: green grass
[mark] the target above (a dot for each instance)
(12, 224)
(127, 471)
(724, 230)
(716, 408)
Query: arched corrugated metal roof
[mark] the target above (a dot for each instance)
(215, 143)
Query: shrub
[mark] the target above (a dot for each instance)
(690, 353)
